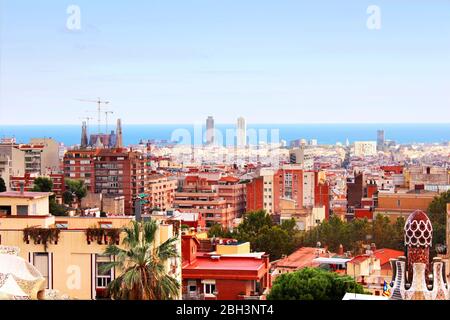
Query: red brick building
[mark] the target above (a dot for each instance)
(28, 183)
(255, 197)
(222, 277)
(121, 173)
(290, 182)
(79, 165)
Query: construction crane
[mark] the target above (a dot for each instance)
(106, 118)
(87, 119)
(99, 103)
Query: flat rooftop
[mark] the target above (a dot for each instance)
(25, 194)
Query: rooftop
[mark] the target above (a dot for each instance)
(301, 258)
(25, 194)
(231, 263)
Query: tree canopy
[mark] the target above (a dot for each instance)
(2, 185)
(45, 184)
(437, 212)
(312, 284)
(353, 234)
(263, 234)
(42, 184)
(143, 265)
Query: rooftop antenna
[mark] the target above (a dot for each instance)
(99, 103)
(106, 119)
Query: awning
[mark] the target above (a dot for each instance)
(341, 261)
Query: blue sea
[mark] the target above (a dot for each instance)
(323, 133)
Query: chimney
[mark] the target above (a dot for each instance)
(341, 250)
(373, 247)
(119, 143)
(22, 187)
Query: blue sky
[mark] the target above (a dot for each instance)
(284, 61)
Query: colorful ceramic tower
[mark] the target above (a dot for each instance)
(418, 240)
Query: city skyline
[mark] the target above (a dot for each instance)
(290, 62)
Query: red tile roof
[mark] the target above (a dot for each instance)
(229, 179)
(382, 254)
(301, 258)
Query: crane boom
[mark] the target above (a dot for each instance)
(99, 103)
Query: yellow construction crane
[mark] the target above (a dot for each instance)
(99, 103)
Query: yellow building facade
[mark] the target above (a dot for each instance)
(70, 262)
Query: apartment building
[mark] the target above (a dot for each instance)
(27, 182)
(121, 173)
(70, 260)
(398, 204)
(12, 162)
(41, 156)
(79, 165)
(231, 272)
(303, 187)
(161, 191)
(219, 198)
(426, 175)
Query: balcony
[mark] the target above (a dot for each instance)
(193, 296)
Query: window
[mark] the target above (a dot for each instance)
(102, 278)
(41, 262)
(22, 210)
(62, 224)
(106, 225)
(209, 287)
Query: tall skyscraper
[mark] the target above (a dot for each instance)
(84, 137)
(119, 142)
(380, 140)
(241, 132)
(210, 130)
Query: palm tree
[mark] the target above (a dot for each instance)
(143, 265)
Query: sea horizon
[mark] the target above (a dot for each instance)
(324, 133)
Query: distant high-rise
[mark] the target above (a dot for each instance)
(210, 130)
(119, 142)
(380, 140)
(84, 137)
(241, 132)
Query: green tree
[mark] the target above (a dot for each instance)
(42, 184)
(437, 211)
(68, 197)
(253, 223)
(142, 265)
(217, 230)
(263, 235)
(77, 188)
(273, 240)
(312, 284)
(353, 234)
(2, 185)
(57, 209)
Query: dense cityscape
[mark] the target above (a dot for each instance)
(226, 159)
(371, 214)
